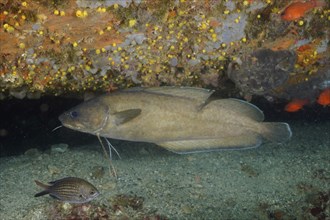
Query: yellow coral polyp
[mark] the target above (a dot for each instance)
(203, 26)
(56, 12)
(132, 23)
(81, 14)
(99, 9)
(8, 28)
(181, 12)
(21, 45)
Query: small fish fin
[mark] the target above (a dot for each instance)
(276, 131)
(240, 107)
(60, 180)
(42, 193)
(250, 140)
(125, 116)
(42, 185)
(54, 197)
(198, 94)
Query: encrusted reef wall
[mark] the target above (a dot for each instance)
(71, 46)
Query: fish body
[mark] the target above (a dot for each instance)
(298, 9)
(69, 189)
(296, 105)
(324, 97)
(183, 120)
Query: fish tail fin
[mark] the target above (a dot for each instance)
(276, 131)
(43, 186)
(42, 193)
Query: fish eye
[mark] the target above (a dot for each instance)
(74, 114)
(80, 196)
(92, 193)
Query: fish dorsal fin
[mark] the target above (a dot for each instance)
(126, 115)
(241, 107)
(198, 94)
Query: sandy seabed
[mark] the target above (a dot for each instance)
(274, 181)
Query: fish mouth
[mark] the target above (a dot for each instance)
(74, 125)
(64, 117)
(92, 197)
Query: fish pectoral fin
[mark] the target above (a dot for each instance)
(205, 145)
(54, 197)
(125, 116)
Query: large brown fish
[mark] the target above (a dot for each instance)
(69, 189)
(182, 120)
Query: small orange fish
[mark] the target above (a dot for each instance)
(295, 105)
(324, 98)
(297, 10)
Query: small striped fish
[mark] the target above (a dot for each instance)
(69, 189)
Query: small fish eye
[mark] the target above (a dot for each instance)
(80, 196)
(74, 114)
